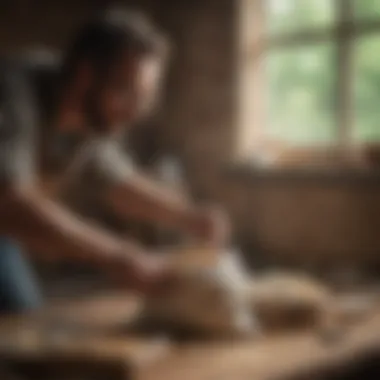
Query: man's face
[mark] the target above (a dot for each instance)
(128, 93)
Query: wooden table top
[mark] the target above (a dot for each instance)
(284, 357)
(88, 332)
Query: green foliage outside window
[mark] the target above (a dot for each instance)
(303, 78)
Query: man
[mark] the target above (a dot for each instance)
(108, 80)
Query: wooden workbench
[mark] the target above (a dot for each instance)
(87, 339)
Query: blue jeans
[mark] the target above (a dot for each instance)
(18, 288)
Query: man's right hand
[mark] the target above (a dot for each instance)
(144, 273)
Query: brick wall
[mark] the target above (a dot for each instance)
(199, 112)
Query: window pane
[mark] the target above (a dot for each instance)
(292, 15)
(301, 94)
(367, 9)
(367, 89)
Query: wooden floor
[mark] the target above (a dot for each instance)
(88, 338)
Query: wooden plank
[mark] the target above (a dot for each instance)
(79, 337)
(267, 359)
(87, 337)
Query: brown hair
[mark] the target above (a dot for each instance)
(104, 39)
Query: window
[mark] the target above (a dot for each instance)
(319, 67)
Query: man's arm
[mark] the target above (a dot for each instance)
(132, 194)
(45, 227)
(139, 197)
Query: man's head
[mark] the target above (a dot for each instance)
(113, 69)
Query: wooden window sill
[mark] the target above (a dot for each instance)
(337, 175)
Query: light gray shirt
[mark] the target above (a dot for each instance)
(83, 167)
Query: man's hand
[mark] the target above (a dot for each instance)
(212, 226)
(147, 274)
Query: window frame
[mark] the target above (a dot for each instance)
(343, 32)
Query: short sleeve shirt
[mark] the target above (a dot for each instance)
(83, 167)
(98, 164)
